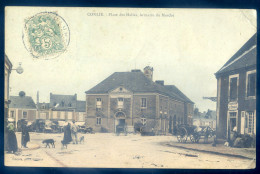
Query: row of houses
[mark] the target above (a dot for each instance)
(60, 107)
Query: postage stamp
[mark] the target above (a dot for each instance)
(46, 35)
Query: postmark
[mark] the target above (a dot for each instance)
(46, 35)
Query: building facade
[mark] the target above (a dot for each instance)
(8, 69)
(22, 107)
(129, 98)
(236, 96)
(62, 108)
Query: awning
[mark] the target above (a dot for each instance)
(10, 120)
(80, 123)
(62, 123)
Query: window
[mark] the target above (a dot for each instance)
(98, 103)
(143, 120)
(62, 103)
(251, 84)
(43, 106)
(121, 89)
(250, 122)
(98, 120)
(233, 89)
(120, 103)
(143, 102)
(24, 114)
(69, 105)
(12, 114)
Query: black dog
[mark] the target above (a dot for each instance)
(64, 144)
(48, 142)
(81, 140)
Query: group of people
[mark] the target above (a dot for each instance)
(12, 146)
(70, 133)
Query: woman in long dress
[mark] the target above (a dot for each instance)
(11, 140)
(67, 134)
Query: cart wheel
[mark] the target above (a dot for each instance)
(182, 135)
(192, 138)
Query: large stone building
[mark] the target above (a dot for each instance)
(128, 98)
(236, 96)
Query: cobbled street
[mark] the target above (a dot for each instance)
(110, 151)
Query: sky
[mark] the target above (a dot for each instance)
(185, 48)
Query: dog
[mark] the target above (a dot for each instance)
(64, 144)
(81, 140)
(48, 142)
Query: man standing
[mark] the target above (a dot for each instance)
(25, 135)
(74, 131)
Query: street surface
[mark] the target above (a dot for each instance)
(106, 150)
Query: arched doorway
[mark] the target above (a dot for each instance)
(120, 121)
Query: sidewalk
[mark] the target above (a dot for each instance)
(220, 149)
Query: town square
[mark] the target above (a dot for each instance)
(155, 88)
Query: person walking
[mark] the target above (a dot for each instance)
(74, 132)
(25, 135)
(67, 134)
(11, 140)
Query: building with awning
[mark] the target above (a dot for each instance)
(236, 92)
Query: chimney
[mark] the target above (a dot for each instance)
(135, 70)
(148, 72)
(160, 82)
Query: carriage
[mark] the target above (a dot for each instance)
(194, 133)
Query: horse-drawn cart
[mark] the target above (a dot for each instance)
(195, 133)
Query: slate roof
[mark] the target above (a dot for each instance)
(175, 90)
(81, 106)
(244, 57)
(24, 102)
(136, 82)
(67, 100)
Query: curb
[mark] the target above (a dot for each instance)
(212, 152)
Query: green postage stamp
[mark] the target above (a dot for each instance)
(46, 35)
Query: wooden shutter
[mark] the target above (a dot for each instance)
(242, 130)
(246, 123)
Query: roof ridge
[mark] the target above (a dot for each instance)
(236, 59)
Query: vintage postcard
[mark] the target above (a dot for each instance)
(130, 87)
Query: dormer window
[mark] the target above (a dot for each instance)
(120, 103)
(120, 89)
(62, 103)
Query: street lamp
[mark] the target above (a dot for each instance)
(19, 69)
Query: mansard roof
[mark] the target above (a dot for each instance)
(136, 82)
(244, 57)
